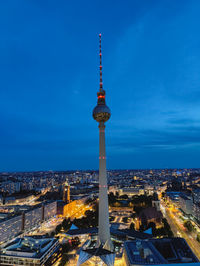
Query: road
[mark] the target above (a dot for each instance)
(179, 230)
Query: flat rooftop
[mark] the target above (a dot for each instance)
(116, 232)
(159, 251)
(27, 246)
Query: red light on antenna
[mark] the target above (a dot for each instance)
(99, 34)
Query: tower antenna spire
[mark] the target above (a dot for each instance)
(100, 66)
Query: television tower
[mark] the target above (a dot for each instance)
(101, 114)
(103, 251)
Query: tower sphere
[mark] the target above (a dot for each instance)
(101, 113)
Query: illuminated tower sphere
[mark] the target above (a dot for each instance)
(101, 114)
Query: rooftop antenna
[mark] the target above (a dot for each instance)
(100, 67)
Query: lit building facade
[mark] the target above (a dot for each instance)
(186, 204)
(10, 187)
(50, 210)
(66, 193)
(10, 228)
(31, 251)
(13, 226)
(33, 218)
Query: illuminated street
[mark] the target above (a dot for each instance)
(179, 231)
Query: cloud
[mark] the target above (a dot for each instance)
(173, 138)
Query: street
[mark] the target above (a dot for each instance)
(179, 231)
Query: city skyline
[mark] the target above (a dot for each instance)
(49, 78)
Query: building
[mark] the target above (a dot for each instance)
(186, 204)
(148, 215)
(50, 210)
(33, 218)
(66, 193)
(155, 201)
(103, 250)
(196, 195)
(131, 191)
(158, 251)
(196, 211)
(12, 226)
(33, 251)
(10, 187)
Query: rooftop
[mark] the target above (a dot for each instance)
(28, 246)
(159, 251)
(113, 231)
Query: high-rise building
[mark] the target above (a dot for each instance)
(103, 250)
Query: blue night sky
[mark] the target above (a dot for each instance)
(49, 79)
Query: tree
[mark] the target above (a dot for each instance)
(137, 209)
(111, 198)
(141, 229)
(189, 226)
(125, 219)
(111, 218)
(198, 237)
(58, 228)
(124, 196)
(66, 224)
(163, 194)
(152, 225)
(88, 201)
(52, 234)
(165, 223)
(132, 226)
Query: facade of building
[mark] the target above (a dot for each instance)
(148, 215)
(66, 193)
(10, 228)
(131, 191)
(196, 211)
(10, 187)
(13, 226)
(186, 204)
(33, 218)
(196, 195)
(156, 201)
(33, 251)
(50, 210)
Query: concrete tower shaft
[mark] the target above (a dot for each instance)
(104, 228)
